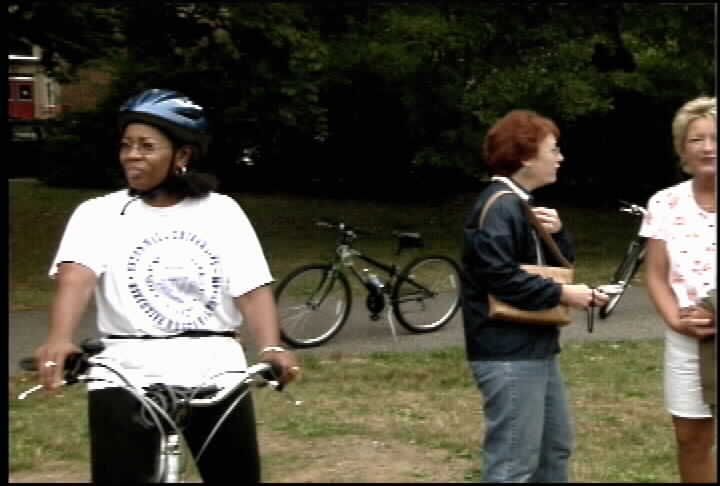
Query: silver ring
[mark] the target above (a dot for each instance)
(294, 368)
(49, 364)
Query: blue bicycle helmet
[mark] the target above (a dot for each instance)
(171, 111)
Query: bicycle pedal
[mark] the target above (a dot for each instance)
(374, 317)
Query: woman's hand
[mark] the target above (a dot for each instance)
(258, 308)
(695, 322)
(580, 296)
(548, 218)
(50, 362)
(286, 361)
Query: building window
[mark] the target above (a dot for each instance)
(25, 92)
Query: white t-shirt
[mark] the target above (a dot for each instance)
(690, 236)
(163, 270)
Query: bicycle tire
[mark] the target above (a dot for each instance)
(439, 282)
(623, 276)
(304, 323)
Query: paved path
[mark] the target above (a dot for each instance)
(634, 318)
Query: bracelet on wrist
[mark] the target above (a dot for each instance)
(271, 349)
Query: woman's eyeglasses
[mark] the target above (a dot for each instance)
(144, 148)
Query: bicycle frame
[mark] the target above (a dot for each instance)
(640, 243)
(637, 241)
(345, 254)
(631, 262)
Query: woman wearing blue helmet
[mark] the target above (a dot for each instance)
(183, 123)
(176, 269)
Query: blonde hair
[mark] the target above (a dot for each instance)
(702, 107)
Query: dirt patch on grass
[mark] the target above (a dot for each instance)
(338, 460)
(359, 460)
(56, 472)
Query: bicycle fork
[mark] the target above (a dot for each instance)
(317, 297)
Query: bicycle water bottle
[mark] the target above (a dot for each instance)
(375, 282)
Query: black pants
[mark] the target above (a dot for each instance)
(124, 451)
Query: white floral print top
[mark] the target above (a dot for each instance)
(690, 236)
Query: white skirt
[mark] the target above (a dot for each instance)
(683, 391)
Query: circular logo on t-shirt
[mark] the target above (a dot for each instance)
(175, 279)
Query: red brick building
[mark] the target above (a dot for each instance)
(32, 94)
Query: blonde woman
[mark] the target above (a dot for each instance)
(681, 227)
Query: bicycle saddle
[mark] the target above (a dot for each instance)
(409, 239)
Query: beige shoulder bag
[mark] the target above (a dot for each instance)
(558, 315)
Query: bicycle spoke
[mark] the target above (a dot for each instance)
(313, 304)
(428, 294)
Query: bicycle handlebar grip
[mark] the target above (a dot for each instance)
(272, 373)
(71, 362)
(75, 363)
(91, 346)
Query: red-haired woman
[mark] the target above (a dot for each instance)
(528, 430)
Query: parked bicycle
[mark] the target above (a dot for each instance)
(314, 300)
(167, 407)
(633, 259)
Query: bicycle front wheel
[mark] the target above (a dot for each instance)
(624, 275)
(313, 304)
(427, 293)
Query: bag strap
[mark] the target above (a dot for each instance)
(488, 203)
(549, 241)
(533, 220)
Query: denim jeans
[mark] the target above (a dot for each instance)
(528, 431)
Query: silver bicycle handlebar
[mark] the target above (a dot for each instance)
(256, 374)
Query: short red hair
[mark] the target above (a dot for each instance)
(515, 138)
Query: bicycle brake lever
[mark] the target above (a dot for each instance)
(275, 385)
(26, 393)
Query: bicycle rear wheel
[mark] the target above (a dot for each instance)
(313, 304)
(427, 293)
(623, 276)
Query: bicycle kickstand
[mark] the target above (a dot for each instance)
(391, 323)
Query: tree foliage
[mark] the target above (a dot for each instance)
(384, 89)
(70, 34)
